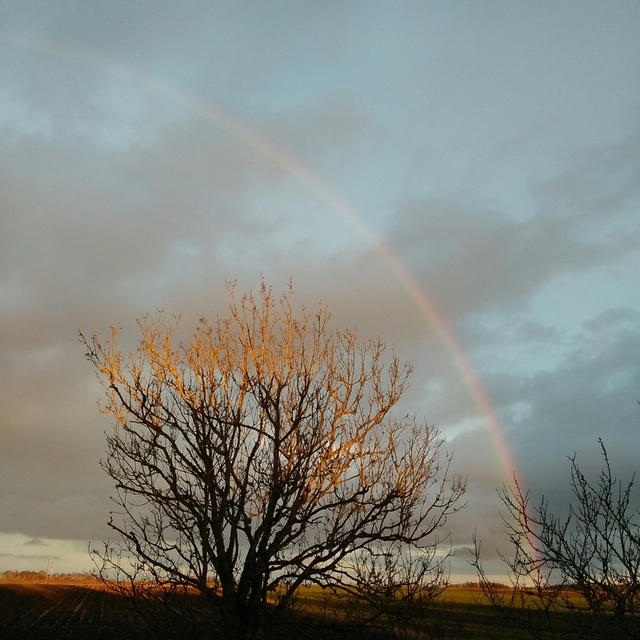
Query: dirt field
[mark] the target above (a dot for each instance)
(63, 611)
(31, 610)
(86, 611)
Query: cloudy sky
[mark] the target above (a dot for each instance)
(460, 178)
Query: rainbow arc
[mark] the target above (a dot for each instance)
(325, 194)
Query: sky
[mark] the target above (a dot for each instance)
(461, 179)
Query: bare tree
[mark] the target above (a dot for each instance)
(592, 552)
(260, 456)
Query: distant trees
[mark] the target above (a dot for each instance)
(263, 455)
(586, 561)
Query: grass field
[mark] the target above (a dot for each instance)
(85, 610)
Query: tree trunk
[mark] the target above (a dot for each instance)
(242, 620)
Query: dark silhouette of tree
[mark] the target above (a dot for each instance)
(586, 562)
(260, 456)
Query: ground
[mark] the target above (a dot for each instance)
(84, 609)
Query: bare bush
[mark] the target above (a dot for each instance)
(400, 586)
(586, 562)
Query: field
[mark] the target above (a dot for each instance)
(31, 610)
(85, 610)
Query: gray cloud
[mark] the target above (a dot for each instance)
(475, 261)
(35, 542)
(546, 418)
(555, 413)
(27, 556)
(502, 171)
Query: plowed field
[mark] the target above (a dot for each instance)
(33, 611)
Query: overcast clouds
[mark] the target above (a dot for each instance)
(493, 148)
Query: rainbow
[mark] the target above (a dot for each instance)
(325, 194)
